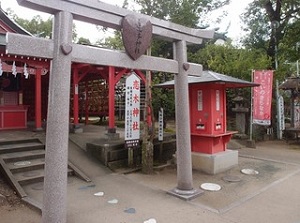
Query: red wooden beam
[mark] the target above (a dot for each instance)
(75, 97)
(38, 99)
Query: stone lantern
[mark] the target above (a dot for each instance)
(240, 116)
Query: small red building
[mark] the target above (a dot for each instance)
(209, 135)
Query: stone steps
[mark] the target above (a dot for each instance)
(22, 156)
(21, 145)
(23, 164)
(34, 164)
(33, 176)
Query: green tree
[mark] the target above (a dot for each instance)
(84, 41)
(230, 60)
(272, 24)
(184, 12)
(112, 42)
(37, 26)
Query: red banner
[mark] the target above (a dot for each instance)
(262, 97)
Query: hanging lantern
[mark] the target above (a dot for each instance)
(26, 74)
(14, 69)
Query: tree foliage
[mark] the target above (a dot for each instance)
(184, 12)
(112, 42)
(84, 41)
(37, 26)
(230, 60)
(272, 25)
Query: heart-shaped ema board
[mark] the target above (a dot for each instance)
(136, 35)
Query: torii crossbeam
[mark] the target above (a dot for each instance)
(62, 52)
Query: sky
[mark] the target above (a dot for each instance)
(89, 31)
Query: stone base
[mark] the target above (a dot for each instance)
(185, 194)
(38, 130)
(214, 163)
(112, 136)
(251, 144)
(240, 136)
(76, 128)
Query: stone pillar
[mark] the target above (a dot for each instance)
(240, 116)
(184, 187)
(241, 121)
(57, 137)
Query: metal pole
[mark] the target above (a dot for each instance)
(57, 137)
(297, 63)
(251, 112)
(279, 132)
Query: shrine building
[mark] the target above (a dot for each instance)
(24, 85)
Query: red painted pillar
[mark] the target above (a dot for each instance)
(86, 103)
(75, 97)
(111, 100)
(38, 99)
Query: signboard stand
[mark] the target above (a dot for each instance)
(132, 117)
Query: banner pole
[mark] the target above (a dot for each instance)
(279, 134)
(251, 111)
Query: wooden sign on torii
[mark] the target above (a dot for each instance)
(63, 52)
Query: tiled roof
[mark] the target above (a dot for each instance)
(213, 77)
(9, 25)
(290, 83)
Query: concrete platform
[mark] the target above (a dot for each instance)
(214, 163)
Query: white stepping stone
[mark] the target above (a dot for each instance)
(151, 220)
(113, 201)
(99, 194)
(210, 186)
(249, 171)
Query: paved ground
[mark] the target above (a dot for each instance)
(273, 195)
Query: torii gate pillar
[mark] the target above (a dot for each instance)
(57, 137)
(184, 187)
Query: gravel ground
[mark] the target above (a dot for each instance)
(13, 209)
(8, 196)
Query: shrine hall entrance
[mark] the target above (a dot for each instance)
(93, 93)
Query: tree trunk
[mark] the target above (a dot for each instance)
(147, 147)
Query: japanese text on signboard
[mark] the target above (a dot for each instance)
(161, 124)
(132, 108)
